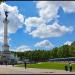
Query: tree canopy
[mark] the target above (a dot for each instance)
(43, 55)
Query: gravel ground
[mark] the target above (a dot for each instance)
(19, 70)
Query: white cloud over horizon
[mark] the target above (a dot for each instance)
(22, 48)
(44, 44)
(68, 43)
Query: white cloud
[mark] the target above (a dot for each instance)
(48, 10)
(69, 8)
(68, 43)
(33, 22)
(54, 30)
(44, 44)
(16, 20)
(23, 48)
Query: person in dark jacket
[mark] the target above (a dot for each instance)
(13, 63)
(70, 67)
(25, 64)
(66, 67)
(6, 63)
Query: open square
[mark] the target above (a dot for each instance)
(37, 37)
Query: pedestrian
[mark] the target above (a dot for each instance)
(6, 63)
(70, 67)
(66, 67)
(1, 62)
(13, 63)
(25, 64)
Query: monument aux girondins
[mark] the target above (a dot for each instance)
(6, 53)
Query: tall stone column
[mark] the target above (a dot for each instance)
(6, 52)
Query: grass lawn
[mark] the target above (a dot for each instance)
(47, 65)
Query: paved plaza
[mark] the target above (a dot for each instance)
(19, 70)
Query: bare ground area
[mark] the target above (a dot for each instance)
(19, 70)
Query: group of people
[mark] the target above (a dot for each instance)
(68, 67)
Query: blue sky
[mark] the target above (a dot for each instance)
(34, 39)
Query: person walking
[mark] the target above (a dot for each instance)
(25, 64)
(66, 67)
(70, 67)
(13, 62)
(6, 63)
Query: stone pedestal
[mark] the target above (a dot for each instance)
(6, 54)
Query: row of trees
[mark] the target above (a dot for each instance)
(44, 55)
